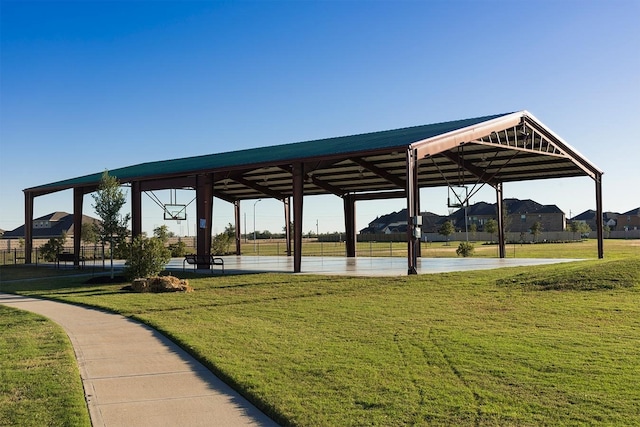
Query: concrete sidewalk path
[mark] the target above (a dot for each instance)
(134, 376)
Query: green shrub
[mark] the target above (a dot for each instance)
(220, 244)
(178, 249)
(52, 248)
(465, 249)
(147, 257)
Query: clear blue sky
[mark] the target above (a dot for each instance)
(88, 86)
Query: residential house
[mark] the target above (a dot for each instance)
(396, 222)
(629, 220)
(378, 225)
(610, 219)
(50, 226)
(396, 227)
(520, 216)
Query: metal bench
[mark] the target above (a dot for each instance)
(196, 260)
(68, 257)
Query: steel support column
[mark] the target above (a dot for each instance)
(28, 227)
(349, 203)
(500, 213)
(236, 210)
(298, 195)
(136, 209)
(287, 223)
(417, 203)
(599, 216)
(78, 196)
(412, 211)
(204, 214)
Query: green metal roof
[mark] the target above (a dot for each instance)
(492, 149)
(278, 154)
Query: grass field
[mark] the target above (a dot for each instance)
(549, 345)
(578, 249)
(39, 380)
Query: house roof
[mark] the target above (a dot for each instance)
(516, 206)
(590, 215)
(548, 209)
(586, 215)
(481, 208)
(60, 222)
(633, 212)
(496, 148)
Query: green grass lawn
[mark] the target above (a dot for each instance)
(39, 379)
(578, 249)
(547, 345)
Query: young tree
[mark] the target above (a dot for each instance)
(574, 227)
(491, 226)
(89, 235)
(506, 218)
(178, 249)
(109, 199)
(53, 247)
(266, 235)
(446, 229)
(585, 229)
(465, 249)
(220, 243)
(230, 231)
(163, 233)
(473, 229)
(536, 229)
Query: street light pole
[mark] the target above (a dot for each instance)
(254, 224)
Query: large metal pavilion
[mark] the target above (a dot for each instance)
(490, 150)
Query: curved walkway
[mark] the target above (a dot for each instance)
(134, 376)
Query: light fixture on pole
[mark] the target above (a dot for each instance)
(254, 224)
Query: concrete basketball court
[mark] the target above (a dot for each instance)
(363, 266)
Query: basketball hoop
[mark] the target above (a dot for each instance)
(174, 212)
(458, 196)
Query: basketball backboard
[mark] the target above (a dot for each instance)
(458, 196)
(175, 212)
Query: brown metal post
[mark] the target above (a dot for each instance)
(236, 209)
(417, 205)
(287, 223)
(28, 227)
(78, 195)
(412, 186)
(298, 195)
(204, 215)
(499, 196)
(136, 209)
(349, 203)
(599, 216)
